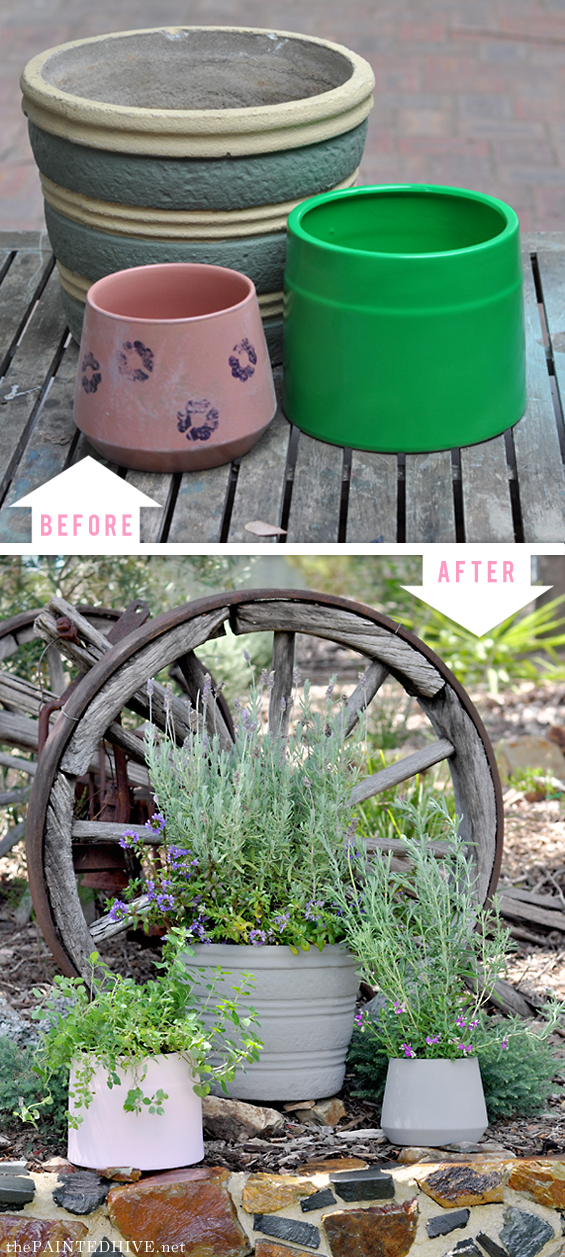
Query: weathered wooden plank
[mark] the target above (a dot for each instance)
(398, 848)
(430, 513)
(109, 700)
(520, 911)
(541, 475)
(281, 693)
(28, 766)
(551, 263)
(17, 292)
(486, 492)
(364, 693)
(111, 831)
(29, 370)
(260, 487)
(92, 647)
(402, 770)
(194, 674)
(200, 505)
(156, 486)
(316, 493)
(473, 785)
(373, 486)
(105, 927)
(344, 627)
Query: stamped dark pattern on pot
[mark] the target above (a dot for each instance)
(240, 369)
(130, 357)
(205, 415)
(91, 373)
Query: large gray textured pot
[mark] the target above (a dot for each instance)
(305, 1004)
(432, 1103)
(190, 144)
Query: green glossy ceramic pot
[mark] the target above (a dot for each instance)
(404, 326)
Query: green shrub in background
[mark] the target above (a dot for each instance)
(22, 1089)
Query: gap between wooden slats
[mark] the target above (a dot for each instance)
(540, 469)
(33, 366)
(48, 448)
(551, 296)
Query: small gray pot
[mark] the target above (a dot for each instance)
(432, 1103)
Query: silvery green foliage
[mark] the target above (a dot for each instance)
(250, 832)
(423, 939)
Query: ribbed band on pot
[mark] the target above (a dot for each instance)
(203, 132)
(270, 303)
(162, 224)
(221, 183)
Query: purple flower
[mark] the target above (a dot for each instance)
(504, 1043)
(150, 686)
(359, 1019)
(330, 690)
(157, 821)
(407, 1049)
(465, 1048)
(399, 1008)
(296, 677)
(128, 837)
(257, 938)
(461, 1022)
(247, 656)
(118, 910)
(432, 1038)
(271, 681)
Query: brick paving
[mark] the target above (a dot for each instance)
(469, 92)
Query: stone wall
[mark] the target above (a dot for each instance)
(481, 1207)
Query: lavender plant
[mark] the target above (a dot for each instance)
(426, 943)
(249, 833)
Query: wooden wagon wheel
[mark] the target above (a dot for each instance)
(118, 680)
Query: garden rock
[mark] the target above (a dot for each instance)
(265, 1193)
(265, 1248)
(370, 1184)
(40, 1235)
(14, 1027)
(381, 1231)
(121, 1174)
(82, 1192)
(324, 1113)
(288, 1229)
(465, 1248)
(524, 1234)
(490, 1246)
(528, 751)
(444, 1223)
(190, 1207)
(463, 1184)
(16, 1191)
(542, 1183)
(320, 1200)
(232, 1119)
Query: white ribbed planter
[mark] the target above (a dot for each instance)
(150, 1141)
(432, 1103)
(305, 1005)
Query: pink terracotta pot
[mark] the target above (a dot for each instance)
(174, 373)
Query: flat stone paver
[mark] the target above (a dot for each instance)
(469, 92)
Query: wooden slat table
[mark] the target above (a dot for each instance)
(511, 488)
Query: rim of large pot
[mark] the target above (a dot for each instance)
(198, 132)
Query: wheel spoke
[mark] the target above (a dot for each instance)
(402, 770)
(363, 693)
(283, 668)
(194, 675)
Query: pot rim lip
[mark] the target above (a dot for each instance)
(433, 1060)
(295, 224)
(277, 948)
(189, 319)
(354, 91)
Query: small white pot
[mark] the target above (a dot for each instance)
(149, 1141)
(432, 1103)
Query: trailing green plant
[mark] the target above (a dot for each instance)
(248, 832)
(21, 1089)
(118, 1025)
